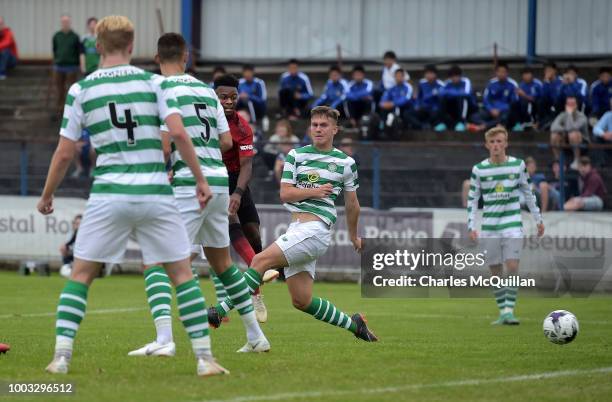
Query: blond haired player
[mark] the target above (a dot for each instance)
(499, 179)
(122, 107)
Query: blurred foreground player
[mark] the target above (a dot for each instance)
(122, 107)
(499, 179)
(205, 123)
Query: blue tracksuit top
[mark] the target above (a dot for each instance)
(533, 88)
(577, 88)
(400, 94)
(333, 94)
(550, 90)
(299, 82)
(429, 94)
(256, 89)
(359, 90)
(500, 94)
(600, 96)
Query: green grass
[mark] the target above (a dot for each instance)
(427, 346)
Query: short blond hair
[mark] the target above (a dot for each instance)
(326, 111)
(496, 130)
(115, 33)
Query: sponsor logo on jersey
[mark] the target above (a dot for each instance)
(313, 176)
(499, 188)
(246, 147)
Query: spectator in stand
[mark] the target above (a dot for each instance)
(387, 80)
(535, 179)
(283, 134)
(66, 61)
(500, 99)
(572, 85)
(295, 91)
(346, 146)
(252, 93)
(66, 249)
(569, 126)
(427, 105)
(456, 99)
(359, 98)
(279, 163)
(601, 93)
(593, 189)
(602, 133)
(8, 49)
(529, 98)
(85, 156)
(334, 92)
(397, 100)
(217, 72)
(90, 58)
(551, 85)
(550, 189)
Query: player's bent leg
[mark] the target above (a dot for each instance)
(71, 311)
(159, 298)
(300, 289)
(271, 257)
(239, 295)
(193, 315)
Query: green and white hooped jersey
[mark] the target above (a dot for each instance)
(499, 185)
(204, 120)
(307, 167)
(122, 108)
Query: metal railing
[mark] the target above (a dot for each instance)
(378, 159)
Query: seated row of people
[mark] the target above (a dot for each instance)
(452, 104)
(433, 103)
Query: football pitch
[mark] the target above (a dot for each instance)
(430, 349)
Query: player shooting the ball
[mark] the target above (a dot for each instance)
(312, 179)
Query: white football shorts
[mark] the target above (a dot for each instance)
(209, 227)
(302, 244)
(156, 226)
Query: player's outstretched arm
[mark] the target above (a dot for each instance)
(179, 136)
(64, 153)
(351, 208)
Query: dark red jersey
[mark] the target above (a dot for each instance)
(242, 138)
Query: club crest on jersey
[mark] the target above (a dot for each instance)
(332, 167)
(313, 176)
(511, 177)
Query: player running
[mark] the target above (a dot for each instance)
(122, 107)
(499, 179)
(205, 123)
(312, 179)
(244, 219)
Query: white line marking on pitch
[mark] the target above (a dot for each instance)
(459, 383)
(101, 311)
